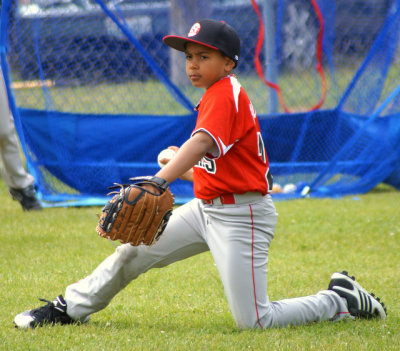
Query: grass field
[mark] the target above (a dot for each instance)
(183, 307)
(301, 90)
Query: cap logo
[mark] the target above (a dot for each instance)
(194, 30)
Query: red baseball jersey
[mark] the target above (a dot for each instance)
(241, 165)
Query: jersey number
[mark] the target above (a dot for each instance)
(208, 165)
(261, 148)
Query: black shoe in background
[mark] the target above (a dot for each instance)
(26, 197)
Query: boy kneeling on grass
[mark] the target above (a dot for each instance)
(232, 214)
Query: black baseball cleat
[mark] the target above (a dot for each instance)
(360, 303)
(52, 313)
(26, 197)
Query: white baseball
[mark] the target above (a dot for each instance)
(166, 153)
(289, 188)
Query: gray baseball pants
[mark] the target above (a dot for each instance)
(238, 237)
(13, 170)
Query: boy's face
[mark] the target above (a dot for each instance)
(205, 66)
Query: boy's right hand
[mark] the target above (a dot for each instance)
(186, 176)
(163, 161)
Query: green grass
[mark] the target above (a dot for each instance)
(183, 307)
(301, 90)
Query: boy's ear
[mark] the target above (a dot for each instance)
(229, 64)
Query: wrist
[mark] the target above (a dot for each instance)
(157, 182)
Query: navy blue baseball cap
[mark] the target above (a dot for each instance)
(211, 33)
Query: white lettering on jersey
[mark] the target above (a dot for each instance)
(261, 148)
(207, 164)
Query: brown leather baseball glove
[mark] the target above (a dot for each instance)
(136, 215)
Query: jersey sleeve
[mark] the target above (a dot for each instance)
(219, 118)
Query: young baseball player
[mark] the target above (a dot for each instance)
(232, 214)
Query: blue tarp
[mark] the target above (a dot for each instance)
(347, 148)
(89, 152)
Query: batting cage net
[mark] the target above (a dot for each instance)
(96, 94)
